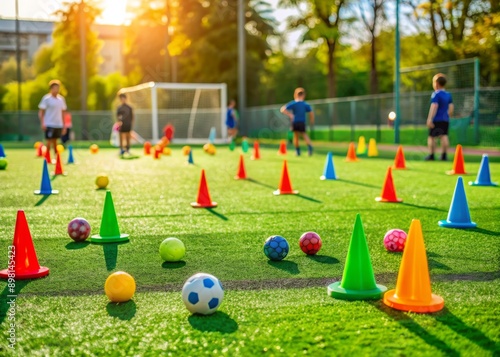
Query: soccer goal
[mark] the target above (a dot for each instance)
(191, 108)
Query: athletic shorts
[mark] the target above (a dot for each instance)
(299, 126)
(53, 133)
(440, 128)
(231, 124)
(65, 137)
(125, 128)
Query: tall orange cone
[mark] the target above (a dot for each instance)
(242, 174)
(282, 149)
(351, 154)
(388, 191)
(458, 162)
(413, 288)
(285, 187)
(203, 200)
(23, 264)
(256, 151)
(47, 155)
(399, 160)
(39, 150)
(59, 169)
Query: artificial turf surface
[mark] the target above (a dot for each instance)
(273, 307)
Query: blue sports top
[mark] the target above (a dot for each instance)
(299, 110)
(443, 100)
(229, 117)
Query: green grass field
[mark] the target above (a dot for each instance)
(270, 308)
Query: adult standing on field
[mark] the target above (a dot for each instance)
(52, 108)
(125, 116)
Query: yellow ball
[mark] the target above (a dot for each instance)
(119, 287)
(102, 181)
(206, 147)
(60, 148)
(167, 151)
(94, 148)
(186, 150)
(37, 144)
(212, 150)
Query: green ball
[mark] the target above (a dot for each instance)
(3, 163)
(172, 250)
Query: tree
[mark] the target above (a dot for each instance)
(8, 71)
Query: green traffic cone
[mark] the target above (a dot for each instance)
(358, 281)
(109, 232)
(232, 145)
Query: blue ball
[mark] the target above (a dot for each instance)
(276, 248)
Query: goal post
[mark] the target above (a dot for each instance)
(193, 109)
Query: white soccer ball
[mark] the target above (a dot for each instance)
(202, 294)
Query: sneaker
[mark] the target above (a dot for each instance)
(444, 157)
(297, 151)
(310, 150)
(429, 157)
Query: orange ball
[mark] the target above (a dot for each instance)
(186, 150)
(94, 149)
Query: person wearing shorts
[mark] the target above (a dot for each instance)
(125, 116)
(232, 130)
(438, 120)
(51, 113)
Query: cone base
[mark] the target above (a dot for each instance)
(338, 292)
(448, 224)
(71, 163)
(476, 183)
(282, 153)
(391, 300)
(254, 158)
(240, 178)
(53, 192)
(43, 271)
(63, 174)
(351, 160)
(278, 192)
(96, 238)
(323, 178)
(380, 199)
(399, 168)
(452, 172)
(203, 205)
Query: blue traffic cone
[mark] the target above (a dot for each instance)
(2, 151)
(211, 136)
(458, 215)
(190, 157)
(45, 187)
(71, 159)
(483, 175)
(329, 170)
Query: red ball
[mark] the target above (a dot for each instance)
(310, 243)
(79, 229)
(395, 240)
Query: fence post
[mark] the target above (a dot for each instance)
(353, 119)
(476, 100)
(331, 121)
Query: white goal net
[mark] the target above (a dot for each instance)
(193, 109)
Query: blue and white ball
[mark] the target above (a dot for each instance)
(276, 248)
(202, 294)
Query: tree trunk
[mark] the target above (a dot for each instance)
(373, 70)
(332, 85)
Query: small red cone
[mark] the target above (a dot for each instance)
(399, 160)
(282, 150)
(388, 191)
(242, 174)
(39, 151)
(203, 200)
(47, 155)
(285, 187)
(59, 169)
(256, 151)
(147, 148)
(458, 162)
(351, 154)
(23, 255)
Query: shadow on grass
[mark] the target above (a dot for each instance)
(309, 198)
(286, 265)
(324, 259)
(217, 214)
(423, 207)
(54, 176)
(173, 265)
(407, 322)
(260, 183)
(7, 296)
(486, 231)
(471, 333)
(359, 183)
(122, 310)
(77, 245)
(434, 264)
(218, 322)
(111, 254)
(42, 200)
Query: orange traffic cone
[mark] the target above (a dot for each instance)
(59, 169)
(285, 187)
(39, 150)
(23, 263)
(47, 155)
(282, 150)
(413, 288)
(203, 200)
(256, 151)
(351, 154)
(242, 174)
(399, 160)
(147, 148)
(388, 191)
(458, 162)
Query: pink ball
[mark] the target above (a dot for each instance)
(79, 229)
(395, 240)
(310, 243)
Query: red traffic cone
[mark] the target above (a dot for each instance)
(39, 151)
(282, 149)
(47, 155)
(285, 187)
(242, 174)
(256, 151)
(59, 169)
(203, 200)
(458, 162)
(388, 191)
(399, 160)
(351, 154)
(23, 255)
